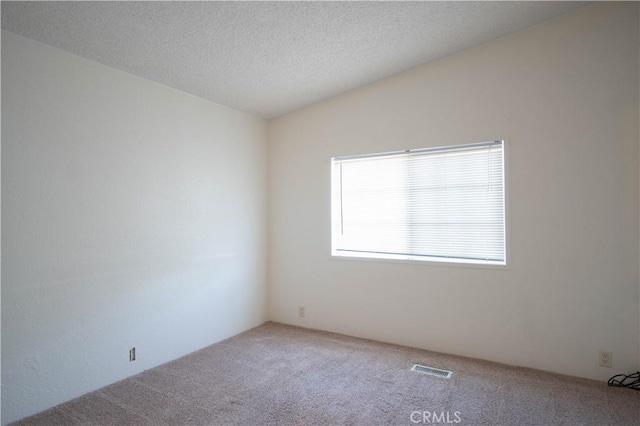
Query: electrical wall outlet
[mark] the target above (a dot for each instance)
(606, 359)
(132, 354)
(301, 311)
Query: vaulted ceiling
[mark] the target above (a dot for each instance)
(270, 58)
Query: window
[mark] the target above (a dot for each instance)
(437, 204)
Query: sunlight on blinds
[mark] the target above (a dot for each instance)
(432, 204)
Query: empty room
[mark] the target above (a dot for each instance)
(320, 213)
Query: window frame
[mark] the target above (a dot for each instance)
(426, 260)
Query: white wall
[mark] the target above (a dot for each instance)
(132, 215)
(565, 96)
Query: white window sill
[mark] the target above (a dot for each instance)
(421, 261)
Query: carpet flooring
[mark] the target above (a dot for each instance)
(283, 375)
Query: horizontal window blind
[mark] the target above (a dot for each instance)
(432, 204)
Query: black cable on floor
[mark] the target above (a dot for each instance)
(623, 381)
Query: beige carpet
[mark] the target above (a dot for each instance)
(284, 375)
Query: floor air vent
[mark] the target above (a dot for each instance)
(432, 371)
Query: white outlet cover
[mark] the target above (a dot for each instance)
(605, 359)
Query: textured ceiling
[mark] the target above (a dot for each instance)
(270, 58)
